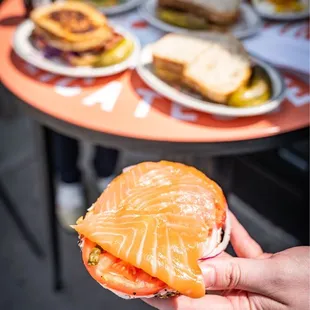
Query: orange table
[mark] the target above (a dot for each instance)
(121, 111)
(129, 113)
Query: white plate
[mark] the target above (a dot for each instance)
(23, 47)
(249, 22)
(266, 10)
(120, 8)
(193, 101)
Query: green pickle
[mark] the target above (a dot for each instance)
(116, 55)
(256, 92)
(180, 19)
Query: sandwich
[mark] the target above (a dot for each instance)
(282, 6)
(199, 14)
(78, 34)
(151, 228)
(214, 67)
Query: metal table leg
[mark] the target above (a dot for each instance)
(26, 233)
(48, 178)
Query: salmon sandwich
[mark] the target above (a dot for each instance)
(148, 232)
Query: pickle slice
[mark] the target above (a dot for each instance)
(182, 19)
(116, 55)
(256, 92)
(94, 256)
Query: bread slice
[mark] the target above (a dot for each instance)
(219, 70)
(173, 53)
(215, 66)
(217, 11)
(72, 21)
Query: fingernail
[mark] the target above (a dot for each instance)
(209, 275)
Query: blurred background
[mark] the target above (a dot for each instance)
(268, 191)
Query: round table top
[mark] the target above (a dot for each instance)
(124, 106)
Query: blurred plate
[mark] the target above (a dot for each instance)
(124, 6)
(248, 24)
(23, 47)
(267, 10)
(196, 102)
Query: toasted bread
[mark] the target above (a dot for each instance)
(217, 11)
(64, 45)
(215, 67)
(72, 21)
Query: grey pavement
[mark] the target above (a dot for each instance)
(25, 281)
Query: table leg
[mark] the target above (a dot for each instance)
(223, 172)
(26, 233)
(48, 174)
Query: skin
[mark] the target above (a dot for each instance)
(252, 281)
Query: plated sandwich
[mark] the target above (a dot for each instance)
(285, 6)
(199, 14)
(78, 34)
(218, 69)
(148, 232)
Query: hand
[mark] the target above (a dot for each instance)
(253, 281)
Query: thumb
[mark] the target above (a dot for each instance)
(253, 275)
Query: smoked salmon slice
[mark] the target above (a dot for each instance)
(159, 217)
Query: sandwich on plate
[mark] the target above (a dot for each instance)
(151, 228)
(79, 35)
(199, 14)
(217, 68)
(283, 6)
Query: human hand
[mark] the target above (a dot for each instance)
(253, 281)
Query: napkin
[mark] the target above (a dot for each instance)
(283, 52)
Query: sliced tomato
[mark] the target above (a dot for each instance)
(118, 275)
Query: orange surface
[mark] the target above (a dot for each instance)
(137, 112)
(158, 217)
